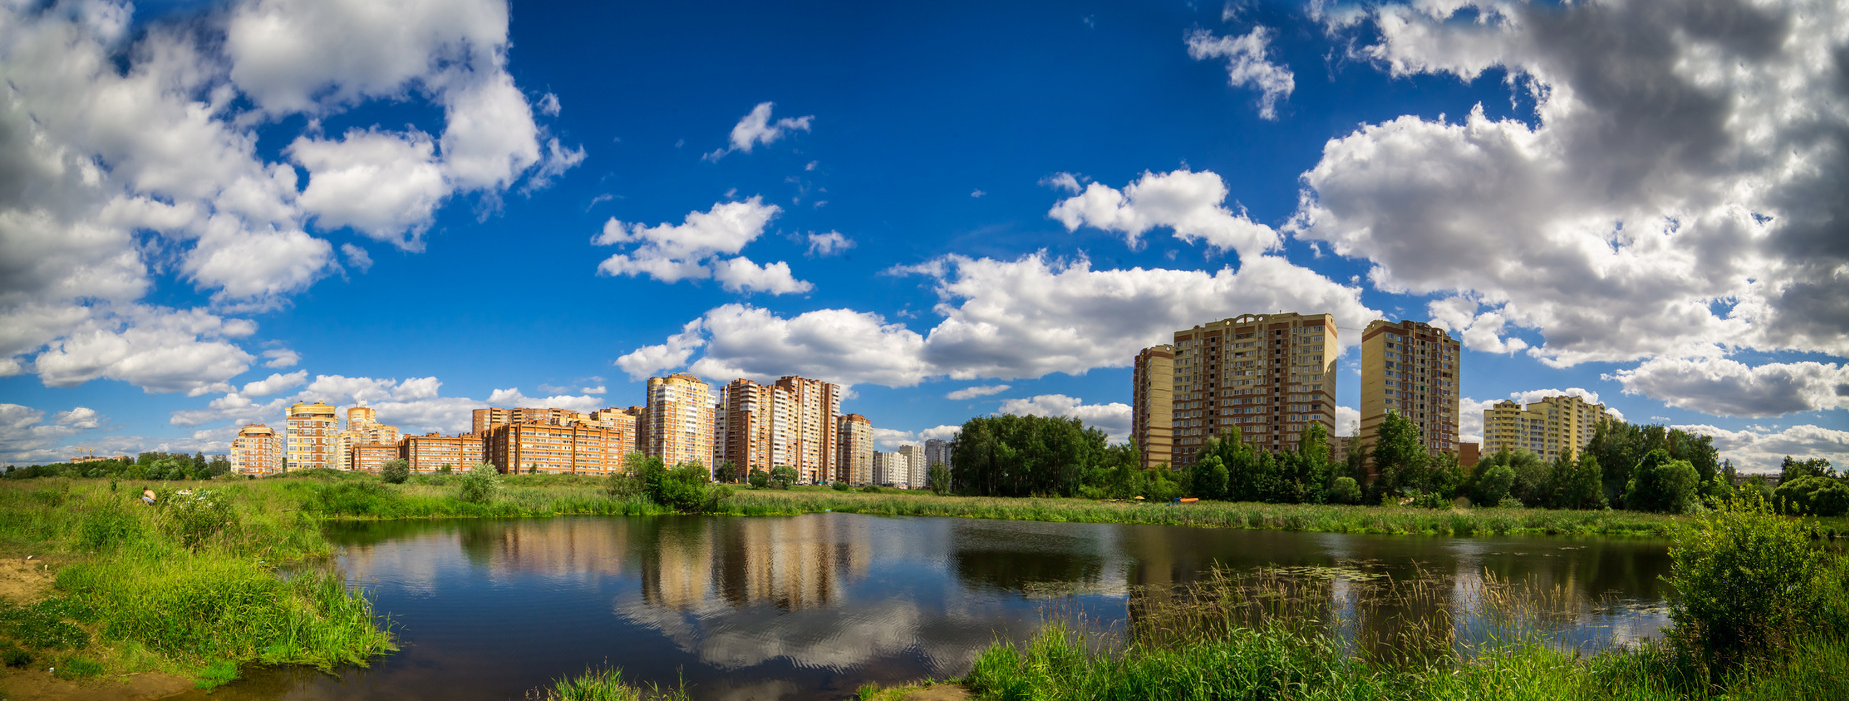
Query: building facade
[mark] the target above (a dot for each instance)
(914, 468)
(815, 444)
(431, 452)
(256, 451)
(1152, 408)
(1410, 368)
(936, 452)
(1268, 375)
(1549, 428)
(313, 435)
(752, 426)
(857, 449)
(486, 419)
(545, 448)
(371, 457)
(680, 420)
(363, 428)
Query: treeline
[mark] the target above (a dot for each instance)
(149, 466)
(1625, 466)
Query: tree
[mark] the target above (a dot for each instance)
(937, 478)
(729, 472)
(1399, 458)
(758, 478)
(480, 484)
(1814, 495)
(1492, 485)
(1015, 456)
(1580, 486)
(395, 471)
(1792, 470)
(782, 476)
(1662, 484)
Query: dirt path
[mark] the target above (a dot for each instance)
(40, 685)
(24, 581)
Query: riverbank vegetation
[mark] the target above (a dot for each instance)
(189, 585)
(1762, 612)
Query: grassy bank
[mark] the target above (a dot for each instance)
(189, 587)
(359, 497)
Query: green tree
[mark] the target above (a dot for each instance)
(758, 478)
(1792, 470)
(783, 476)
(1813, 496)
(1015, 456)
(1662, 484)
(1746, 580)
(1492, 485)
(938, 479)
(395, 471)
(1343, 490)
(1399, 458)
(1581, 486)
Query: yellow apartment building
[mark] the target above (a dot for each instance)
(680, 420)
(313, 436)
(363, 428)
(575, 448)
(1561, 424)
(1410, 368)
(430, 452)
(1152, 408)
(857, 449)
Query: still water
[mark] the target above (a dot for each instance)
(811, 607)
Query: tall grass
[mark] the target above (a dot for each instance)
(194, 581)
(603, 684)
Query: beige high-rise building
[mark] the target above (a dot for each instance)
(857, 449)
(752, 426)
(1561, 424)
(814, 442)
(430, 452)
(363, 428)
(680, 420)
(313, 436)
(256, 451)
(1152, 408)
(1410, 368)
(1269, 375)
(915, 469)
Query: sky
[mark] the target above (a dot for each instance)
(209, 211)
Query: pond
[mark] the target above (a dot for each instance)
(813, 606)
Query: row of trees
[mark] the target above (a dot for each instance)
(1625, 466)
(151, 465)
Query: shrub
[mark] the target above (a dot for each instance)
(1344, 490)
(15, 657)
(480, 484)
(1510, 503)
(841, 486)
(871, 489)
(689, 489)
(758, 478)
(1815, 496)
(395, 471)
(1493, 485)
(782, 476)
(1746, 581)
(624, 484)
(195, 516)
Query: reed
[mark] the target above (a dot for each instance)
(604, 683)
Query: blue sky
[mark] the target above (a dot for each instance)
(216, 209)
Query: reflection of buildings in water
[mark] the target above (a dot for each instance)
(585, 548)
(792, 564)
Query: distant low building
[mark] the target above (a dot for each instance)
(371, 457)
(431, 452)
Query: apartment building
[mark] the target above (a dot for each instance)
(1269, 375)
(572, 448)
(1410, 368)
(363, 428)
(680, 420)
(486, 419)
(814, 442)
(371, 457)
(256, 451)
(914, 470)
(313, 432)
(431, 452)
(1152, 408)
(857, 449)
(752, 426)
(936, 452)
(1561, 424)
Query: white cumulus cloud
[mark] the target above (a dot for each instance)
(976, 391)
(1112, 418)
(1247, 64)
(1188, 202)
(757, 128)
(1724, 387)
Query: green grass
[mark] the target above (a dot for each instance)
(604, 684)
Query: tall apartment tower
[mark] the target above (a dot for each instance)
(752, 426)
(256, 451)
(1269, 375)
(937, 452)
(1557, 425)
(680, 420)
(857, 449)
(1410, 368)
(914, 468)
(815, 442)
(1152, 408)
(313, 435)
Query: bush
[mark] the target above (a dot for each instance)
(758, 478)
(395, 471)
(1510, 503)
(1746, 581)
(1493, 485)
(624, 484)
(782, 476)
(480, 484)
(1814, 496)
(75, 667)
(841, 486)
(870, 489)
(1344, 490)
(15, 657)
(196, 516)
(689, 489)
